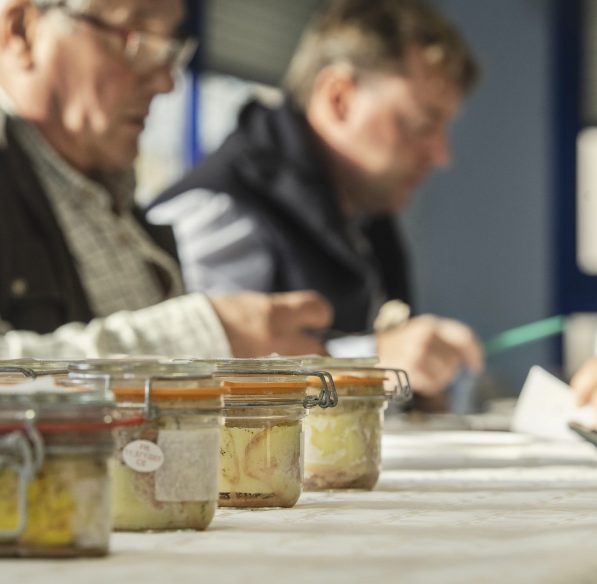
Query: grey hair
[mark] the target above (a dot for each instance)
(375, 36)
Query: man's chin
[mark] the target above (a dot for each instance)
(400, 199)
(125, 155)
(115, 163)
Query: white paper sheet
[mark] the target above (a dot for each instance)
(546, 405)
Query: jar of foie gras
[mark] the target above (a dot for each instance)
(343, 445)
(55, 441)
(165, 471)
(262, 438)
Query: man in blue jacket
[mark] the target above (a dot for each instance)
(302, 195)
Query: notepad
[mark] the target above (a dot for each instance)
(546, 405)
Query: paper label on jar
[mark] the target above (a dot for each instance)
(191, 462)
(92, 521)
(143, 456)
(302, 455)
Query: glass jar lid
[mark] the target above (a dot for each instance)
(361, 377)
(141, 369)
(53, 405)
(19, 368)
(261, 376)
(158, 385)
(44, 416)
(157, 400)
(339, 361)
(273, 378)
(262, 365)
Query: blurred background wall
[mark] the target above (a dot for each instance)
(480, 232)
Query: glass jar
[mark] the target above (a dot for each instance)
(54, 484)
(165, 471)
(343, 445)
(262, 437)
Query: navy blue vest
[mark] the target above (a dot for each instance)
(271, 167)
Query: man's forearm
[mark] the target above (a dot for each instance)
(183, 326)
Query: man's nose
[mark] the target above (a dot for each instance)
(160, 80)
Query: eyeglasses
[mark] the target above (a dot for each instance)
(143, 50)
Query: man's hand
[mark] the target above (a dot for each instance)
(584, 383)
(259, 324)
(431, 350)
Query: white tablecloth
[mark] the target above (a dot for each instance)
(449, 508)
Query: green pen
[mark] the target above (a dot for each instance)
(508, 339)
(527, 333)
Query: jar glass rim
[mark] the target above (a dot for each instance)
(345, 363)
(38, 367)
(129, 369)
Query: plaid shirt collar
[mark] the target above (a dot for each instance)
(117, 261)
(115, 190)
(119, 186)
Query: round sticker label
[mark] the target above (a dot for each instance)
(143, 456)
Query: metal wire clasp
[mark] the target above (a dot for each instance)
(26, 371)
(149, 411)
(25, 455)
(328, 397)
(402, 392)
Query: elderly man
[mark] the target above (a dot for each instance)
(80, 273)
(302, 196)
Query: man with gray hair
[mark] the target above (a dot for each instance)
(81, 273)
(302, 196)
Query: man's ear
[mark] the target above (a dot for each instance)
(334, 91)
(18, 19)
